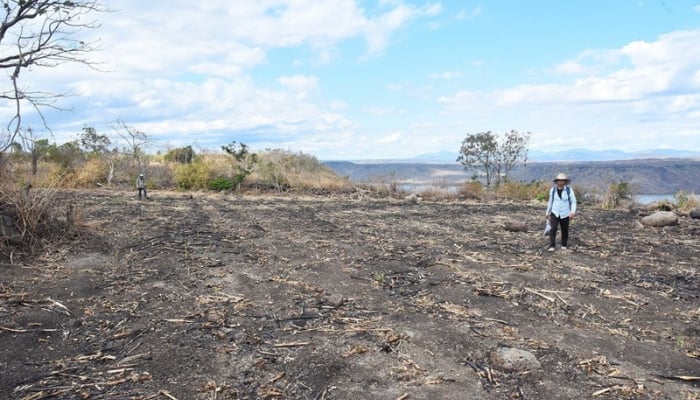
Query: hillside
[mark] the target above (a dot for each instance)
(649, 176)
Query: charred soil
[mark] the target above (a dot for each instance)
(217, 296)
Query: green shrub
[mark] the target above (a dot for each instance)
(195, 175)
(221, 183)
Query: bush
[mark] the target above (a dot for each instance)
(29, 218)
(685, 201)
(195, 175)
(220, 183)
(615, 194)
(93, 171)
(524, 191)
(471, 190)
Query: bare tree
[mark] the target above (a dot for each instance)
(40, 34)
(135, 140)
(35, 146)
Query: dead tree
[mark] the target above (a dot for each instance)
(40, 34)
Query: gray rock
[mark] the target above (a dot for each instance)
(335, 300)
(515, 226)
(661, 218)
(695, 213)
(509, 359)
(413, 199)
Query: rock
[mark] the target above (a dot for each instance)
(159, 285)
(661, 218)
(509, 359)
(413, 198)
(515, 226)
(214, 316)
(335, 300)
(695, 213)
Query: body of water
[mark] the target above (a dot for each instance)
(653, 198)
(420, 187)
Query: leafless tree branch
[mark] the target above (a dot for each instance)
(44, 34)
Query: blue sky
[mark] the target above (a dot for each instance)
(354, 80)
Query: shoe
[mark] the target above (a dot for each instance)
(550, 249)
(563, 247)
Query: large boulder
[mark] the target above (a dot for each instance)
(695, 213)
(661, 218)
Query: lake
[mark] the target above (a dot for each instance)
(653, 198)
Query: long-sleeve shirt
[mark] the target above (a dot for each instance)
(559, 205)
(140, 184)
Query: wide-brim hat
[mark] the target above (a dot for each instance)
(561, 177)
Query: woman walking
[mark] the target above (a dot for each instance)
(561, 209)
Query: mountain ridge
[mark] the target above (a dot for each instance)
(576, 154)
(645, 176)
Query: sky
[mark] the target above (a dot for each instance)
(387, 79)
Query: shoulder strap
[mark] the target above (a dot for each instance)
(551, 198)
(568, 194)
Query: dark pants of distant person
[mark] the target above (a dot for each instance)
(144, 193)
(554, 221)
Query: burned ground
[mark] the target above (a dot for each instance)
(283, 297)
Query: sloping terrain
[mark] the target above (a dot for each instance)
(653, 176)
(216, 296)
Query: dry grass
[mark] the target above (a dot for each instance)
(31, 218)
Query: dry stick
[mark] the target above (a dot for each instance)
(521, 393)
(277, 377)
(685, 378)
(403, 397)
(556, 294)
(2, 328)
(64, 308)
(496, 320)
(291, 344)
(608, 389)
(168, 395)
(540, 294)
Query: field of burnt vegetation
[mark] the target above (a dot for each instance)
(347, 295)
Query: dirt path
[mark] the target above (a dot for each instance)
(224, 297)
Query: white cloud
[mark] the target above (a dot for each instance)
(213, 70)
(654, 82)
(447, 75)
(389, 139)
(300, 84)
(469, 14)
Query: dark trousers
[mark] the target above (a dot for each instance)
(144, 192)
(554, 221)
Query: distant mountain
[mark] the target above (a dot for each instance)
(608, 155)
(648, 176)
(566, 155)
